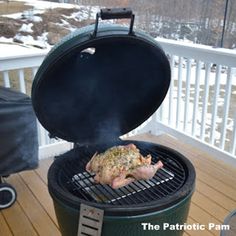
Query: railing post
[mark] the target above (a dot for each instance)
(233, 146)
(179, 96)
(170, 114)
(215, 103)
(6, 79)
(187, 92)
(22, 81)
(196, 98)
(205, 101)
(226, 107)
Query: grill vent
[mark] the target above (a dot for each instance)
(90, 221)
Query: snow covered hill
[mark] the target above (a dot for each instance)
(44, 23)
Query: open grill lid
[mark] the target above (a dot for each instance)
(100, 82)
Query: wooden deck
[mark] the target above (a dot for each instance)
(33, 213)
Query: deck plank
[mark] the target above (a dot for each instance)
(4, 228)
(33, 208)
(213, 171)
(218, 185)
(201, 216)
(40, 191)
(17, 220)
(215, 196)
(191, 221)
(209, 206)
(42, 171)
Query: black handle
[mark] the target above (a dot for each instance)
(114, 13)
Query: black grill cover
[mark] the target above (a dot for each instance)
(18, 133)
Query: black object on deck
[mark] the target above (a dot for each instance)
(18, 139)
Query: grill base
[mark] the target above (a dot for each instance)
(68, 219)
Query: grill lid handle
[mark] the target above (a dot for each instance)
(114, 13)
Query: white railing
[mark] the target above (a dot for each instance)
(199, 107)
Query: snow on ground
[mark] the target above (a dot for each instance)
(6, 40)
(85, 13)
(29, 40)
(28, 14)
(39, 7)
(14, 15)
(26, 28)
(43, 5)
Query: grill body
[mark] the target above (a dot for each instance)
(164, 199)
(68, 218)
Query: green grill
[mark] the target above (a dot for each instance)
(97, 84)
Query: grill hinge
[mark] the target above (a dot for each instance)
(90, 221)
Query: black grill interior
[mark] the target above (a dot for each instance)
(80, 183)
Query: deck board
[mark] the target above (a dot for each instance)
(17, 221)
(38, 217)
(214, 197)
(4, 228)
(39, 189)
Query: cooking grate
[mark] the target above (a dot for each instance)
(86, 181)
(165, 182)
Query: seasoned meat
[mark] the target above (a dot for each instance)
(121, 165)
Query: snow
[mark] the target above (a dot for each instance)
(26, 28)
(85, 13)
(29, 14)
(29, 40)
(5, 40)
(39, 7)
(14, 15)
(43, 5)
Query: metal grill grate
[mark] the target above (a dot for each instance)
(110, 195)
(165, 182)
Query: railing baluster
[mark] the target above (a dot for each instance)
(47, 137)
(205, 101)
(170, 116)
(226, 107)
(6, 79)
(22, 80)
(179, 96)
(41, 134)
(215, 104)
(196, 98)
(34, 71)
(187, 92)
(161, 112)
(233, 147)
